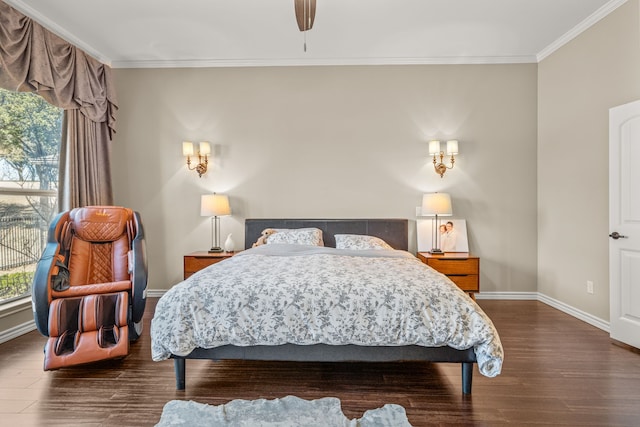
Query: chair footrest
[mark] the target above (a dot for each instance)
(87, 350)
(87, 329)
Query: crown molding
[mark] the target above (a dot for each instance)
(284, 62)
(580, 28)
(58, 30)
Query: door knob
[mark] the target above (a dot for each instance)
(615, 235)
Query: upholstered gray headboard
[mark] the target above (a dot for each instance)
(393, 231)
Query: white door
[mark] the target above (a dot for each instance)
(624, 223)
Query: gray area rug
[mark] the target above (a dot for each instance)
(288, 411)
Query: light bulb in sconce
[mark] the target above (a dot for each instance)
(204, 149)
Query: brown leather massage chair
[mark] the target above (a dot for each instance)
(89, 288)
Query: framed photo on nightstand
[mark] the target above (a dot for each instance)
(452, 235)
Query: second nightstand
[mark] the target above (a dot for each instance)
(196, 261)
(461, 268)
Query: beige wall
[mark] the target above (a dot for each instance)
(331, 142)
(576, 87)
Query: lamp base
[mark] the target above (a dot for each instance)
(436, 251)
(215, 250)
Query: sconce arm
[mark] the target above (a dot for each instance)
(201, 167)
(440, 167)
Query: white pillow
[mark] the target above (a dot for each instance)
(296, 236)
(360, 242)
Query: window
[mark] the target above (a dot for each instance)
(30, 132)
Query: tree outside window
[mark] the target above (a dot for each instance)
(30, 132)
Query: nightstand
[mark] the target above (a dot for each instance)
(196, 261)
(460, 267)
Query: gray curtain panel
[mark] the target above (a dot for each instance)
(32, 59)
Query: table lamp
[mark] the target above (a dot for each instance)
(436, 204)
(215, 206)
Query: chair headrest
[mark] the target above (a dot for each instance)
(100, 223)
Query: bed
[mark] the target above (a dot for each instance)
(316, 302)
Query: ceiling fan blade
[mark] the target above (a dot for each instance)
(305, 13)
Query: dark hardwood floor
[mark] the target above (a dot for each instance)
(558, 371)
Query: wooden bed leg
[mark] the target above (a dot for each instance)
(179, 368)
(467, 377)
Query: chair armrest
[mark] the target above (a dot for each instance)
(41, 286)
(139, 273)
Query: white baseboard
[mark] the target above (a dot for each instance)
(156, 293)
(558, 305)
(572, 311)
(16, 331)
(508, 295)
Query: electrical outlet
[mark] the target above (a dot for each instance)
(589, 287)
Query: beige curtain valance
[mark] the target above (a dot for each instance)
(32, 59)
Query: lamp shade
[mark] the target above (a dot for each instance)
(204, 149)
(452, 147)
(436, 204)
(187, 148)
(214, 205)
(434, 148)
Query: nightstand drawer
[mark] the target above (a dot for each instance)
(193, 264)
(198, 260)
(467, 282)
(461, 268)
(455, 266)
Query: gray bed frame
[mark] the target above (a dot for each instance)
(394, 232)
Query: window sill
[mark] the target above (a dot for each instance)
(16, 306)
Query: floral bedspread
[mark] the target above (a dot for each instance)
(279, 294)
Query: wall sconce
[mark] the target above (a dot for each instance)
(204, 149)
(434, 150)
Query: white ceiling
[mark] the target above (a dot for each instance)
(198, 33)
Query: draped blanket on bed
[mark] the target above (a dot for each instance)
(279, 294)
